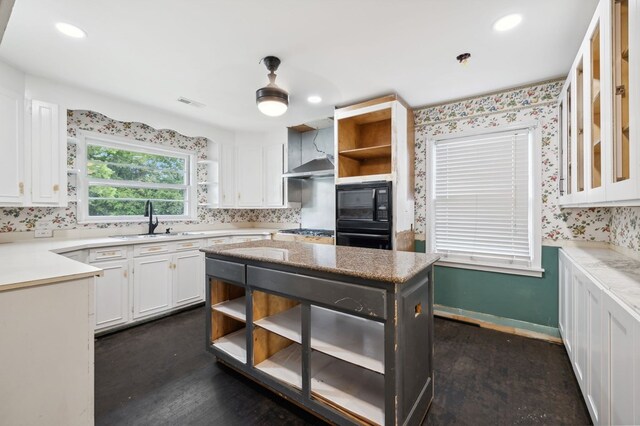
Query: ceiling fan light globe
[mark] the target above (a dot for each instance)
(273, 107)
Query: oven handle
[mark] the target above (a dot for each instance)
(376, 236)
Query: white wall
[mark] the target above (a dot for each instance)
(11, 78)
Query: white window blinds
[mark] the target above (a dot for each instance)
(482, 200)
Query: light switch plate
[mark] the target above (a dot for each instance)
(44, 233)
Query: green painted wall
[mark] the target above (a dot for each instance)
(529, 299)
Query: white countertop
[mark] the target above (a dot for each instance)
(618, 273)
(38, 262)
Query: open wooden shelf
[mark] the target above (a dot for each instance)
(285, 365)
(345, 386)
(364, 144)
(625, 54)
(234, 344)
(228, 331)
(355, 340)
(381, 151)
(234, 308)
(341, 385)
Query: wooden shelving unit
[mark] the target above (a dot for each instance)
(228, 319)
(364, 144)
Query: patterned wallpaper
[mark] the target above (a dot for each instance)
(26, 219)
(537, 102)
(625, 227)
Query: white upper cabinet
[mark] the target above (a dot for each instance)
(227, 175)
(273, 169)
(249, 176)
(599, 110)
(12, 148)
(33, 163)
(48, 155)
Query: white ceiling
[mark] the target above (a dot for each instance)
(154, 51)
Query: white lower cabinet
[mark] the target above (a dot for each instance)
(146, 280)
(188, 278)
(602, 338)
(621, 381)
(593, 364)
(152, 277)
(566, 319)
(112, 294)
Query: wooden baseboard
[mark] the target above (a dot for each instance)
(497, 327)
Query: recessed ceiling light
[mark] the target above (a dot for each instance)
(314, 99)
(508, 22)
(70, 30)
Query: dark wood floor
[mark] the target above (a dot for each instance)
(160, 374)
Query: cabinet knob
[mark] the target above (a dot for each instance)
(21, 188)
(56, 188)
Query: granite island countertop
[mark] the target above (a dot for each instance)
(380, 265)
(618, 273)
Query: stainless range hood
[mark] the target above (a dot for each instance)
(318, 167)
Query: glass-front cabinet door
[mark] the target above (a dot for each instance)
(622, 180)
(600, 157)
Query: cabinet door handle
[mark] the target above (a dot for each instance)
(126, 274)
(21, 188)
(56, 188)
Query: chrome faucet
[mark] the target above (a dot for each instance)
(148, 212)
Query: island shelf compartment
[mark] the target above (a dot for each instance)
(228, 318)
(352, 339)
(353, 351)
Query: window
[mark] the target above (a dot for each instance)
(119, 176)
(484, 201)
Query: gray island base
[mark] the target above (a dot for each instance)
(346, 333)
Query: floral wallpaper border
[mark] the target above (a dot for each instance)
(28, 218)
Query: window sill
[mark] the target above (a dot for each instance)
(501, 269)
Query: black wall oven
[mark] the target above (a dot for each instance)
(364, 215)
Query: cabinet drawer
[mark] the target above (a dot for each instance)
(247, 238)
(222, 269)
(148, 249)
(110, 253)
(188, 245)
(352, 298)
(217, 240)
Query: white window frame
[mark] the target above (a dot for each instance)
(82, 189)
(535, 200)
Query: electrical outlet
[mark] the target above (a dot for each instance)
(44, 233)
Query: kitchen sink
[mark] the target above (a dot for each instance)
(158, 235)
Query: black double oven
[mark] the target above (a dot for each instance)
(364, 215)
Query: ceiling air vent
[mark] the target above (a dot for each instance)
(191, 102)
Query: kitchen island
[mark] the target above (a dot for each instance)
(344, 332)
